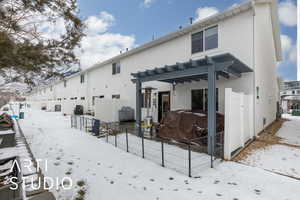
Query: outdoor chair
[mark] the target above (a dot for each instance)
(95, 127)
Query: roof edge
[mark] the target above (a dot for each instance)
(275, 26)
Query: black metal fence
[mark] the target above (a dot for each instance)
(188, 157)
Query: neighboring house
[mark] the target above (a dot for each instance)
(249, 32)
(290, 96)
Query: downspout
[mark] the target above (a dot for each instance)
(253, 66)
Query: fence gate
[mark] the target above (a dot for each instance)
(238, 121)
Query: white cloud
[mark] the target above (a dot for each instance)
(148, 3)
(99, 24)
(288, 13)
(289, 49)
(99, 44)
(205, 12)
(286, 43)
(100, 47)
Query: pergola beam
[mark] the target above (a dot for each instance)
(176, 74)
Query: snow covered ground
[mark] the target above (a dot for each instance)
(290, 131)
(277, 158)
(280, 158)
(111, 173)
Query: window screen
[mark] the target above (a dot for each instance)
(211, 38)
(197, 42)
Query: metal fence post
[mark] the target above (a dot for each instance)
(75, 119)
(190, 168)
(162, 154)
(80, 122)
(143, 147)
(211, 155)
(86, 124)
(127, 140)
(71, 121)
(107, 137)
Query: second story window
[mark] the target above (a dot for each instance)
(65, 83)
(82, 78)
(116, 68)
(197, 42)
(205, 40)
(211, 38)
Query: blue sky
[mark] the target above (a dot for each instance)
(119, 24)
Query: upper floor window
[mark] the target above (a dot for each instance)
(115, 96)
(116, 68)
(82, 78)
(211, 38)
(65, 83)
(197, 42)
(205, 40)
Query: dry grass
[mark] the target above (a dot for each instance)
(266, 138)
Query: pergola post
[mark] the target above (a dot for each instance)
(211, 123)
(139, 107)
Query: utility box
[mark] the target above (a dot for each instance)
(57, 108)
(126, 114)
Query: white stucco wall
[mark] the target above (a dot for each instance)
(265, 68)
(237, 35)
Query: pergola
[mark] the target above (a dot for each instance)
(208, 69)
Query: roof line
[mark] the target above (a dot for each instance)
(190, 28)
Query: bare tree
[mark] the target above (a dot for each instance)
(36, 36)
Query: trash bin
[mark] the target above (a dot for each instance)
(21, 115)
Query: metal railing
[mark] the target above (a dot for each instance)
(188, 157)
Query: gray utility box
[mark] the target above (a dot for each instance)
(126, 114)
(7, 138)
(9, 169)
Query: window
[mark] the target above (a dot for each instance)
(82, 98)
(116, 68)
(115, 96)
(298, 91)
(65, 83)
(207, 40)
(197, 42)
(82, 78)
(200, 99)
(94, 97)
(197, 100)
(51, 88)
(257, 92)
(211, 38)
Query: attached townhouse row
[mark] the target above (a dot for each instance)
(249, 32)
